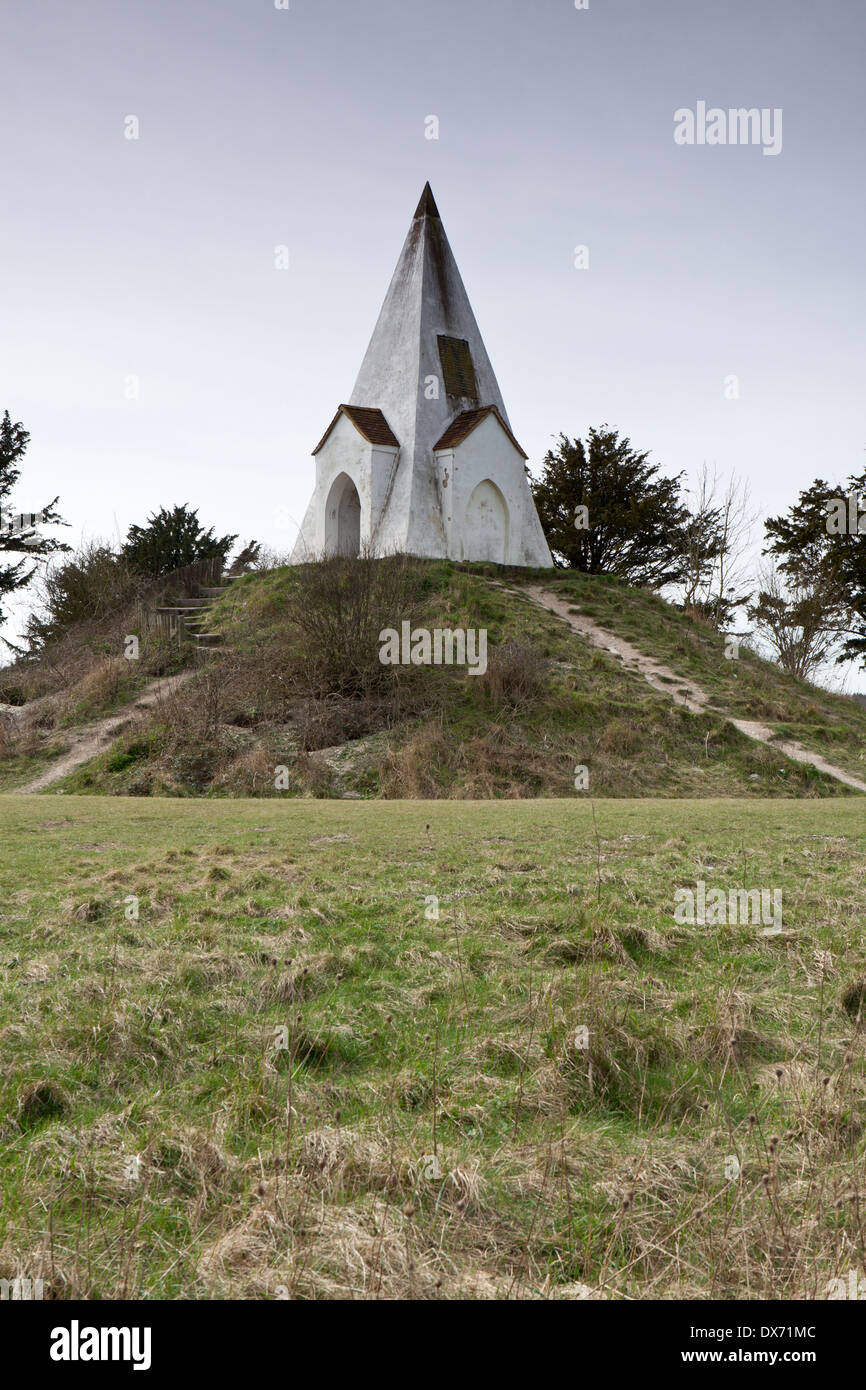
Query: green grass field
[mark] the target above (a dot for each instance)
(325, 1049)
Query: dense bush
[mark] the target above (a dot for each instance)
(174, 539)
(92, 585)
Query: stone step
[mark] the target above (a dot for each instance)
(188, 617)
(211, 651)
(180, 608)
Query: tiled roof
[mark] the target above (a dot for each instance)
(463, 425)
(368, 421)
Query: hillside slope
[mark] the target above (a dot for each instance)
(289, 709)
(748, 688)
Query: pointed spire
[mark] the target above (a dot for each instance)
(426, 380)
(425, 362)
(426, 359)
(427, 206)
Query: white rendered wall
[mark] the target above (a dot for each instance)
(488, 454)
(370, 468)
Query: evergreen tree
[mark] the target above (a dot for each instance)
(821, 540)
(606, 510)
(172, 539)
(24, 541)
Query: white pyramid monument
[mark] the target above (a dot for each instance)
(422, 458)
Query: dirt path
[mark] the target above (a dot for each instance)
(682, 692)
(752, 729)
(90, 739)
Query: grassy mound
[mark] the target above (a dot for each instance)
(299, 703)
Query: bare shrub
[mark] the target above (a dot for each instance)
(802, 624)
(87, 587)
(516, 673)
(266, 558)
(338, 610)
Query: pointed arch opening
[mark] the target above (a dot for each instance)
(485, 533)
(343, 518)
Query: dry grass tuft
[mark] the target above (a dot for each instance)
(290, 1247)
(854, 998)
(39, 1102)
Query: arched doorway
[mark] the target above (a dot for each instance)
(343, 518)
(485, 531)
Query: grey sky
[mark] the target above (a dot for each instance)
(261, 127)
